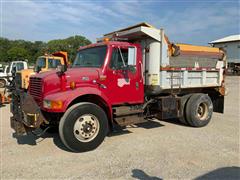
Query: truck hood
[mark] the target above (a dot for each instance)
(82, 75)
(52, 81)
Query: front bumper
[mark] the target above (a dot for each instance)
(27, 115)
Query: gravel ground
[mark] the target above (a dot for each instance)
(157, 150)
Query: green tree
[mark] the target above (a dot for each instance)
(5, 45)
(20, 49)
(70, 45)
(38, 48)
(17, 53)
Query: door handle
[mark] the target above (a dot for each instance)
(137, 85)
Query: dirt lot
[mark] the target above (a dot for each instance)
(158, 150)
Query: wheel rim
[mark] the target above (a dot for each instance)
(202, 111)
(86, 128)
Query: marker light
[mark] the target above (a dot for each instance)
(72, 85)
(103, 78)
(106, 40)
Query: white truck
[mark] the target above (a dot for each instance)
(6, 75)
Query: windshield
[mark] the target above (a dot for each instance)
(53, 63)
(41, 62)
(8, 69)
(92, 57)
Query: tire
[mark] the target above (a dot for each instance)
(199, 110)
(184, 100)
(2, 83)
(83, 127)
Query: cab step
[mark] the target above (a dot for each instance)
(129, 120)
(127, 115)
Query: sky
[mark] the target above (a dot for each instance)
(184, 21)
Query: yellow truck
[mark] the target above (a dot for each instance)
(44, 63)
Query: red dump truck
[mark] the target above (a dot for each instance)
(129, 76)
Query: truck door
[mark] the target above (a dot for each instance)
(125, 82)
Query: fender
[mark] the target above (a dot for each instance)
(70, 95)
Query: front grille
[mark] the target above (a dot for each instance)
(18, 80)
(35, 89)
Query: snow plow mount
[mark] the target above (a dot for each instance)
(27, 115)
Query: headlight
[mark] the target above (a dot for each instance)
(48, 104)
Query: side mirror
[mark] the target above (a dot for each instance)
(61, 69)
(131, 56)
(37, 69)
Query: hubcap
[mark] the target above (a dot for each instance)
(202, 111)
(86, 128)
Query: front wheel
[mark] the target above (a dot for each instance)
(83, 127)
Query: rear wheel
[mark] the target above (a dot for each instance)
(184, 100)
(199, 110)
(83, 127)
(2, 83)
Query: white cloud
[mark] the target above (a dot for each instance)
(45, 20)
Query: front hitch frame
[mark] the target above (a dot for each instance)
(27, 114)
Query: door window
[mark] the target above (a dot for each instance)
(119, 58)
(123, 58)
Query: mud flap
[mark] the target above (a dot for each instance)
(218, 104)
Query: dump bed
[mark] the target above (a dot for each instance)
(170, 66)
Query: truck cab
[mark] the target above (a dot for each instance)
(51, 61)
(118, 70)
(98, 70)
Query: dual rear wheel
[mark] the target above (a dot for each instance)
(197, 110)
